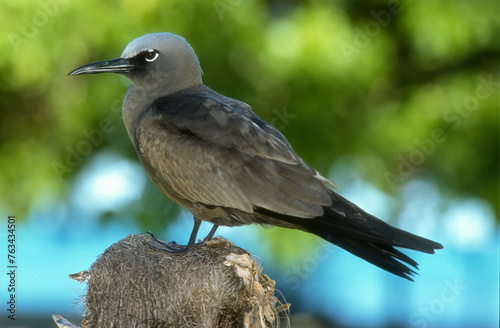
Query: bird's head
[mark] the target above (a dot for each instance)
(162, 60)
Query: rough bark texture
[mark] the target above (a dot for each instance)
(216, 284)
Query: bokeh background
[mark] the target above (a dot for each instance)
(395, 101)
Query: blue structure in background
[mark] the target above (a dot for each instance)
(458, 287)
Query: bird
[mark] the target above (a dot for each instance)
(215, 157)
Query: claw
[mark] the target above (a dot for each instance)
(173, 247)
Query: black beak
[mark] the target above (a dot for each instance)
(120, 65)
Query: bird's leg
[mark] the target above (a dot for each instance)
(173, 247)
(210, 234)
(194, 233)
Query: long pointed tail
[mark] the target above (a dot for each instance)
(371, 239)
(347, 226)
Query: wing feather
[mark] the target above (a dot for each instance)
(214, 150)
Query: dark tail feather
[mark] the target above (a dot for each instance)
(383, 256)
(365, 236)
(372, 240)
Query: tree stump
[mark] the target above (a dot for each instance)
(216, 284)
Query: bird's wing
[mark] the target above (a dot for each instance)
(227, 123)
(214, 150)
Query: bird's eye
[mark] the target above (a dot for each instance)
(151, 55)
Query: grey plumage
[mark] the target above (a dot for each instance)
(217, 158)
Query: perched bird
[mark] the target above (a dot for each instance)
(213, 155)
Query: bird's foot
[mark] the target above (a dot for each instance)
(170, 247)
(173, 247)
(162, 246)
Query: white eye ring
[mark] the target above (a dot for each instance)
(152, 52)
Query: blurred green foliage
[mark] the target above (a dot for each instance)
(406, 89)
